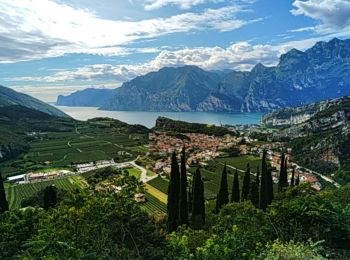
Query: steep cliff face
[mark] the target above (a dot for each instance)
(319, 134)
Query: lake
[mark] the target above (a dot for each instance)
(148, 119)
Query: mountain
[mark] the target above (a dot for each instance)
(319, 135)
(16, 121)
(319, 73)
(86, 98)
(170, 89)
(9, 97)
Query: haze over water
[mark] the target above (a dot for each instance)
(148, 119)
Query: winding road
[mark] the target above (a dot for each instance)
(144, 178)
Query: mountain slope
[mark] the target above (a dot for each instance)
(321, 72)
(16, 121)
(169, 89)
(88, 97)
(9, 97)
(319, 134)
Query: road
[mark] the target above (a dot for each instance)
(143, 178)
(327, 179)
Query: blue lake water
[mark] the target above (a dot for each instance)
(148, 119)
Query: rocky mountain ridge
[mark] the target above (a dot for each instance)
(321, 72)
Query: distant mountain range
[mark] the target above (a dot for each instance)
(87, 97)
(9, 97)
(321, 72)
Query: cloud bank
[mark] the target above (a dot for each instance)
(41, 29)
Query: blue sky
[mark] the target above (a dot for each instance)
(52, 47)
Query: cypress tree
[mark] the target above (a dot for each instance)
(263, 196)
(281, 177)
(246, 184)
(285, 183)
(183, 204)
(235, 196)
(198, 206)
(257, 177)
(269, 186)
(189, 193)
(50, 197)
(292, 181)
(297, 182)
(173, 194)
(4, 206)
(222, 197)
(254, 194)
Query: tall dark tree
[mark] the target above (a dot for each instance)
(189, 196)
(222, 197)
(198, 206)
(50, 197)
(281, 177)
(297, 181)
(257, 177)
(285, 181)
(292, 180)
(246, 184)
(254, 194)
(235, 195)
(263, 196)
(183, 204)
(269, 186)
(173, 195)
(4, 206)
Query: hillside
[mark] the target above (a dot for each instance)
(320, 138)
(300, 78)
(9, 97)
(170, 89)
(166, 124)
(86, 98)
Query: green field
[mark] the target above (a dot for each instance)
(241, 162)
(16, 193)
(212, 174)
(160, 184)
(134, 172)
(86, 143)
(153, 205)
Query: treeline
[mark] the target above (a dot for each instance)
(294, 222)
(184, 200)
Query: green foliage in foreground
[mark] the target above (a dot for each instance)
(105, 225)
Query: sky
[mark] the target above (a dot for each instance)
(53, 47)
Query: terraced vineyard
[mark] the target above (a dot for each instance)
(87, 142)
(160, 184)
(153, 205)
(16, 193)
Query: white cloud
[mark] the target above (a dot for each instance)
(183, 4)
(238, 56)
(332, 13)
(38, 29)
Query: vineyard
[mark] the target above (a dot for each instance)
(153, 205)
(16, 193)
(160, 184)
